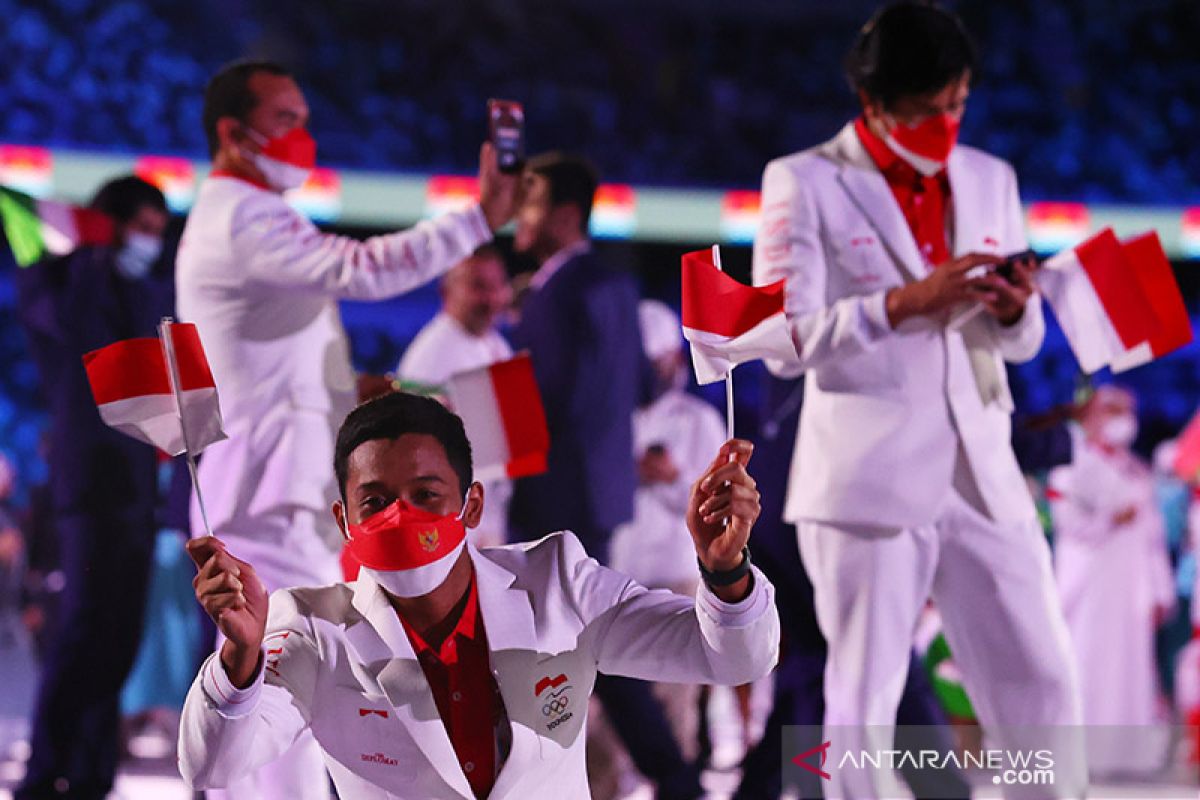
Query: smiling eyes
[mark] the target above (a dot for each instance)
(423, 498)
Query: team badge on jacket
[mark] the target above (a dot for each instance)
(553, 694)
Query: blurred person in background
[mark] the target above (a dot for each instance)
(579, 321)
(904, 484)
(463, 336)
(1114, 575)
(103, 488)
(262, 284)
(671, 438)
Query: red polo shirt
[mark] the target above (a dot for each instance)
(923, 201)
(468, 700)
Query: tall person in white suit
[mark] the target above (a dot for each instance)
(448, 671)
(903, 483)
(262, 284)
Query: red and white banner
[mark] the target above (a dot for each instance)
(132, 387)
(1157, 280)
(729, 323)
(502, 412)
(1098, 300)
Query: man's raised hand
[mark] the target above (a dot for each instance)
(232, 594)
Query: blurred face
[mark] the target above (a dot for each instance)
(543, 228)
(148, 221)
(281, 105)
(912, 110)
(476, 292)
(1112, 417)
(413, 468)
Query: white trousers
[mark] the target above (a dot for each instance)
(994, 587)
(286, 549)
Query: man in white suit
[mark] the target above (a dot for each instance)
(903, 482)
(448, 671)
(262, 284)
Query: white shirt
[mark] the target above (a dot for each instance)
(337, 662)
(552, 264)
(444, 348)
(262, 284)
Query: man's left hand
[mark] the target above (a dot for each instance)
(723, 508)
(1005, 299)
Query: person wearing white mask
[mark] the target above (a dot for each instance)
(446, 670)
(463, 336)
(262, 285)
(103, 486)
(1114, 577)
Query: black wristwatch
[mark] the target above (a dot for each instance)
(726, 577)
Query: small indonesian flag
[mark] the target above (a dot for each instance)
(132, 388)
(1098, 300)
(501, 409)
(320, 198)
(27, 169)
(729, 323)
(740, 213)
(1154, 275)
(1057, 226)
(446, 193)
(37, 228)
(175, 177)
(614, 212)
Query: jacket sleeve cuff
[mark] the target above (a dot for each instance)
(742, 613)
(227, 699)
(481, 232)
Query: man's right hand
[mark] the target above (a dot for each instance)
(232, 594)
(945, 287)
(499, 192)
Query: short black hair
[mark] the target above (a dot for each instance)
(122, 198)
(228, 94)
(392, 415)
(907, 49)
(572, 179)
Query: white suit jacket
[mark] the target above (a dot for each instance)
(262, 283)
(885, 411)
(339, 663)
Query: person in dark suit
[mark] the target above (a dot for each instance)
(579, 321)
(103, 488)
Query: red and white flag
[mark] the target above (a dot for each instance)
(729, 323)
(132, 385)
(1157, 280)
(1098, 300)
(501, 410)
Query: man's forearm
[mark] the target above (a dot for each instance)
(241, 664)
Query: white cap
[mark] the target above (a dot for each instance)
(662, 333)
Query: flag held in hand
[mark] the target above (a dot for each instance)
(132, 385)
(502, 412)
(1157, 281)
(727, 322)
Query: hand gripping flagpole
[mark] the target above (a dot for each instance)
(716, 255)
(168, 346)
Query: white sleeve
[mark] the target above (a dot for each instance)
(226, 733)
(789, 246)
(278, 246)
(1021, 341)
(662, 636)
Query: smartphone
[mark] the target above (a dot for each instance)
(1005, 268)
(506, 131)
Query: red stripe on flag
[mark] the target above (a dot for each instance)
(1112, 276)
(716, 303)
(521, 413)
(131, 368)
(1157, 280)
(94, 227)
(194, 372)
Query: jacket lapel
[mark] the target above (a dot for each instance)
(869, 190)
(404, 684)
(966, 200)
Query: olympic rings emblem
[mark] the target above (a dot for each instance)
(555, 706)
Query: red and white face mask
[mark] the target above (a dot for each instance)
(925, 146)
(409, 552)
(286, 160)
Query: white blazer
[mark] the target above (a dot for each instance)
(338, 662)
(885, 411)
(262, 284)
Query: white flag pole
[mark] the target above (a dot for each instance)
(716, 254)
(168, 346)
